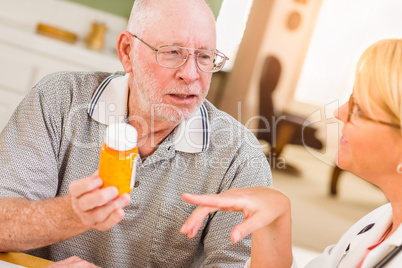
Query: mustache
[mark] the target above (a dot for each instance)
(186, 90)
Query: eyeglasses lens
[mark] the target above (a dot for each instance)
(171, 56)
(174, 57)
(351, 103)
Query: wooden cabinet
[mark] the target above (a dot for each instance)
(26, 57)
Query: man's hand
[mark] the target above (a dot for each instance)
(72, 262)
(97, 208)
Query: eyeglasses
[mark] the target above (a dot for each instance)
(354, 110)
(169, 56)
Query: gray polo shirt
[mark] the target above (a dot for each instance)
(54, 137)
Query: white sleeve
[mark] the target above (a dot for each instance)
(294, 264)
(321, 260)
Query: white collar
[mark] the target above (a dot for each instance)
(109, 105)
(379, 220)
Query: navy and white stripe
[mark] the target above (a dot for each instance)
(205, 127)
(99, 92)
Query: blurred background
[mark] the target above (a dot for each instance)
(291, 62)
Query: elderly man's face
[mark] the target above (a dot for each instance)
(173, 94)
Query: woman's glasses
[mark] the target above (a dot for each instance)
(354, 110)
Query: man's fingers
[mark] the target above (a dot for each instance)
(88, 184)
(71, 260)
(114, 218)
(97, 198)
(102, 213)
(100, 216)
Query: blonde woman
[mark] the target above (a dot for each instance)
(370, 147)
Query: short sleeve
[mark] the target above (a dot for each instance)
(29, 146)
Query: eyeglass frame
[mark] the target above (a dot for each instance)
(186, 48)
(352, 103)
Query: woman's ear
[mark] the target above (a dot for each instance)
(124, 50)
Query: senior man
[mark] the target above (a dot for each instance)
(51, 202)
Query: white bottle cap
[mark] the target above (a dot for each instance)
(121, 137)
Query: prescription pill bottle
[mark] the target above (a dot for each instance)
(118, 155)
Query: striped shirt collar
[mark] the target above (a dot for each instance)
(109, 105)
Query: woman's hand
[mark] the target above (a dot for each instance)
(260, 205)
(266, 215)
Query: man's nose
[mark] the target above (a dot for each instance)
(189, 71)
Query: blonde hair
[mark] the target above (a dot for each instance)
(378, 79)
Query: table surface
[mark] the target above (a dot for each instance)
(24, 260)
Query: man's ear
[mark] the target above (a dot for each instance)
(124, 50)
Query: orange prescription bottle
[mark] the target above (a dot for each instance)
(118, 154)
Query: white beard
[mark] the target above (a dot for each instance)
(150, 102)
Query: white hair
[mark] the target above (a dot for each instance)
(143, 14)
(138, 17)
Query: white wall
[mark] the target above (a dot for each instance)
(344, 30)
